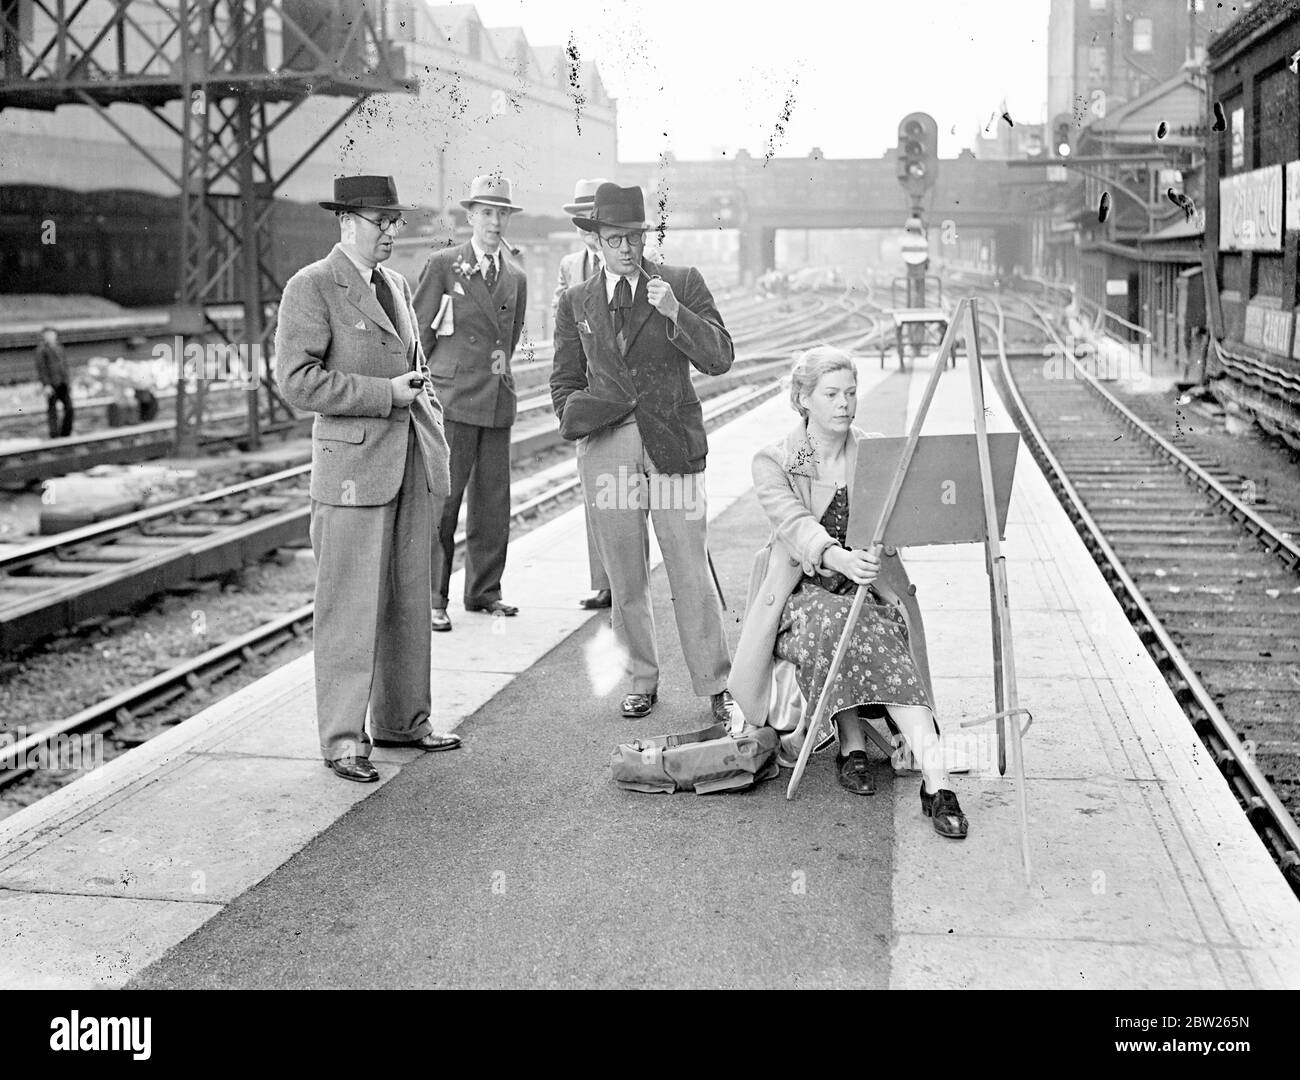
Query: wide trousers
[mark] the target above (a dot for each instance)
(480, 468)
(372, 616)
(623, 493)
(599, 579)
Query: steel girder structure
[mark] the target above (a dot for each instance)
(221, 76)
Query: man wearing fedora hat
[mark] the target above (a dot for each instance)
(470, 304)
(575, 268)
(625, 344)
(347, 348)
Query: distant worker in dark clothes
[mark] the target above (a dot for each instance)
(147, 402)
(52, 370)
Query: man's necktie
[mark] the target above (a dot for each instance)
(384, 295)
(490, 273)
(622, 307)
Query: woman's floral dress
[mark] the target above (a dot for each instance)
(878, 667)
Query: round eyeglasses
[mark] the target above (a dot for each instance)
(383, 224)
(634, 240)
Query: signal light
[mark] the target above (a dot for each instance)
(917, 152)
(1061, 132)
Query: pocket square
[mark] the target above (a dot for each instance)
(457, 289)
(584, 327)
(361, 325)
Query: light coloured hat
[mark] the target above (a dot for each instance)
(584, 196)
(490, 190)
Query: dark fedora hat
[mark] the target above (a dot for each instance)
(365, 193)
(616, 208)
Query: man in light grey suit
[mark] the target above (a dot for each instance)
(347, 348)
(575, 268)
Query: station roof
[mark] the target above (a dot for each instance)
(1178, 102)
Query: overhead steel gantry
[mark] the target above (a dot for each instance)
(220, 75)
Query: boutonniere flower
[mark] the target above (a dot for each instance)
(465, 269)
(803, 461)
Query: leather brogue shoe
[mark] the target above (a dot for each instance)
(637, 705)
(440, 622)
(497, 607)
(601, 598)
(431, 741)
(944, 809)
(725, 710)
(855, 772)
(354, 768)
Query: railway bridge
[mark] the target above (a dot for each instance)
(758, 196)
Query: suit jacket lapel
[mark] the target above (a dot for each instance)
(504, 297)
(404, 329)
(599, 318)
(475, 287)
(641, 311)
(360, 291)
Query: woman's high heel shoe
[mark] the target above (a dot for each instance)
(944, 809)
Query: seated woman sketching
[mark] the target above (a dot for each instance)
(802, 586)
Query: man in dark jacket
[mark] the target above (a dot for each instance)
(625, 344)
(470, 308)
(52, 370)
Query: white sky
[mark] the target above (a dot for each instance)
(716, 75)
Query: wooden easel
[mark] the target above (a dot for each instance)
(1006, 699)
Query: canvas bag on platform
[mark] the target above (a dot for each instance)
(701, 761)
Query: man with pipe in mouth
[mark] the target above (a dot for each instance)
(626, 342)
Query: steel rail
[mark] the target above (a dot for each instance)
(1262, 805)
(1270, 538)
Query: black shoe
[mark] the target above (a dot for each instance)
(601, 598)
(855, 772)
(725, 710)
(638, 705)
(496, 607)
(943, 807)
(425, 742)
(354, 768)
(440, 622)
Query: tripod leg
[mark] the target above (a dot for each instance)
(819, 713)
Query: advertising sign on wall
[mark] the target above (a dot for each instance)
(1250, 210)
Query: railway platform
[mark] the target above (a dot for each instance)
(221, 854)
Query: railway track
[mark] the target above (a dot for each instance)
(1211, 584)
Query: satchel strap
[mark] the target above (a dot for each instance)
(667, 742)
